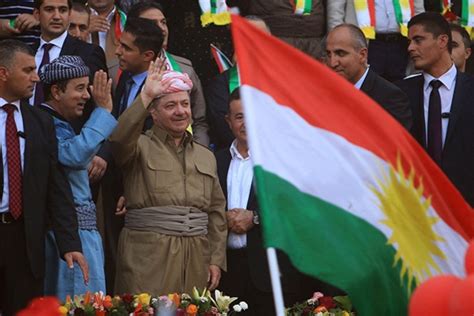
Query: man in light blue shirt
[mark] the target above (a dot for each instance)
(66, 80)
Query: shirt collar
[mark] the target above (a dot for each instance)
(163, 135)
(139, 78)
(110, 16)
(359, 83)
(58, 41)
(15, 103)
(447, 79)
(234, 152)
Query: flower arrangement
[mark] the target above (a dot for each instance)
(321, 305)
(199, 303)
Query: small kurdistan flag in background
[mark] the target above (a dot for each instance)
(344, 190)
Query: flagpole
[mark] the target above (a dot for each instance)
(276, 283)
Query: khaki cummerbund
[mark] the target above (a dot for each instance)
(168, 220)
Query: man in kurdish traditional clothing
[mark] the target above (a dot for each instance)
(66, 80)
(175, 228)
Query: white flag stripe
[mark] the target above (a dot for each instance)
(328, 167)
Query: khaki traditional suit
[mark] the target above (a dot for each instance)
(159, 174)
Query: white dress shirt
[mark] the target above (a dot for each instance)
(360, 82)
(19, 126)
(446, 93)
(385, 20)
(54, 52)
(103, 35)
(239, 183)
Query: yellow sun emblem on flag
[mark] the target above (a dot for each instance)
(406, 214)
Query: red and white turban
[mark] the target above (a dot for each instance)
(179, 81)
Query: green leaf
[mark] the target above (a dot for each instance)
(344, 302)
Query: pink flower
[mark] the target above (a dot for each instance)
(317, 295)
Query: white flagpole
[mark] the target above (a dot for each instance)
(276, 283)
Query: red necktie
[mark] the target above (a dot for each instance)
(13, 162)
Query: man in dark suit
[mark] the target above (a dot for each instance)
(35, 192)
(247, 275)
(441, 101)
(54, 42)
(346, 50)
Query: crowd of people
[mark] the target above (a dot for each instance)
(126, 167)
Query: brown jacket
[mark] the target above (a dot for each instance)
(157, 173)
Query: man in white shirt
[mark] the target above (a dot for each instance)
(441, 101)
(247, 273)
(106, 25)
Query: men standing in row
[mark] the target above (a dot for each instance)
(384, 26)
(34, 189)
(153, 11)
(346, 49)
(441, 101)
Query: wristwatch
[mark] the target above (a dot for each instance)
(256, 218)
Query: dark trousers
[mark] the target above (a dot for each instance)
(17, 283)
(388, 56)
(237, 282)
(110, 224)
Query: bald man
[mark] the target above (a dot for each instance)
(346, 50)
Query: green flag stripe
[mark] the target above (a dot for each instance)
(465, 12)
(327, 242)
(398, 11)
(213, 6)
(308, 5)
(174, 64)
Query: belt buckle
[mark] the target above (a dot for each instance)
(3, 219)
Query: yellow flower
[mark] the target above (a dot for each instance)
(344, 313)
(63, 310)
(143, 299)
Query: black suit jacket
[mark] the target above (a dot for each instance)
(457, 160)
(389, 96)
(217, 100)
(47, 197)
(257, 256)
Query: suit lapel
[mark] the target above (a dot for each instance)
(456, 104)
(416, 98)
(368, 83)
(68, 46)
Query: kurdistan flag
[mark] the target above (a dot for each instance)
(344, 190)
